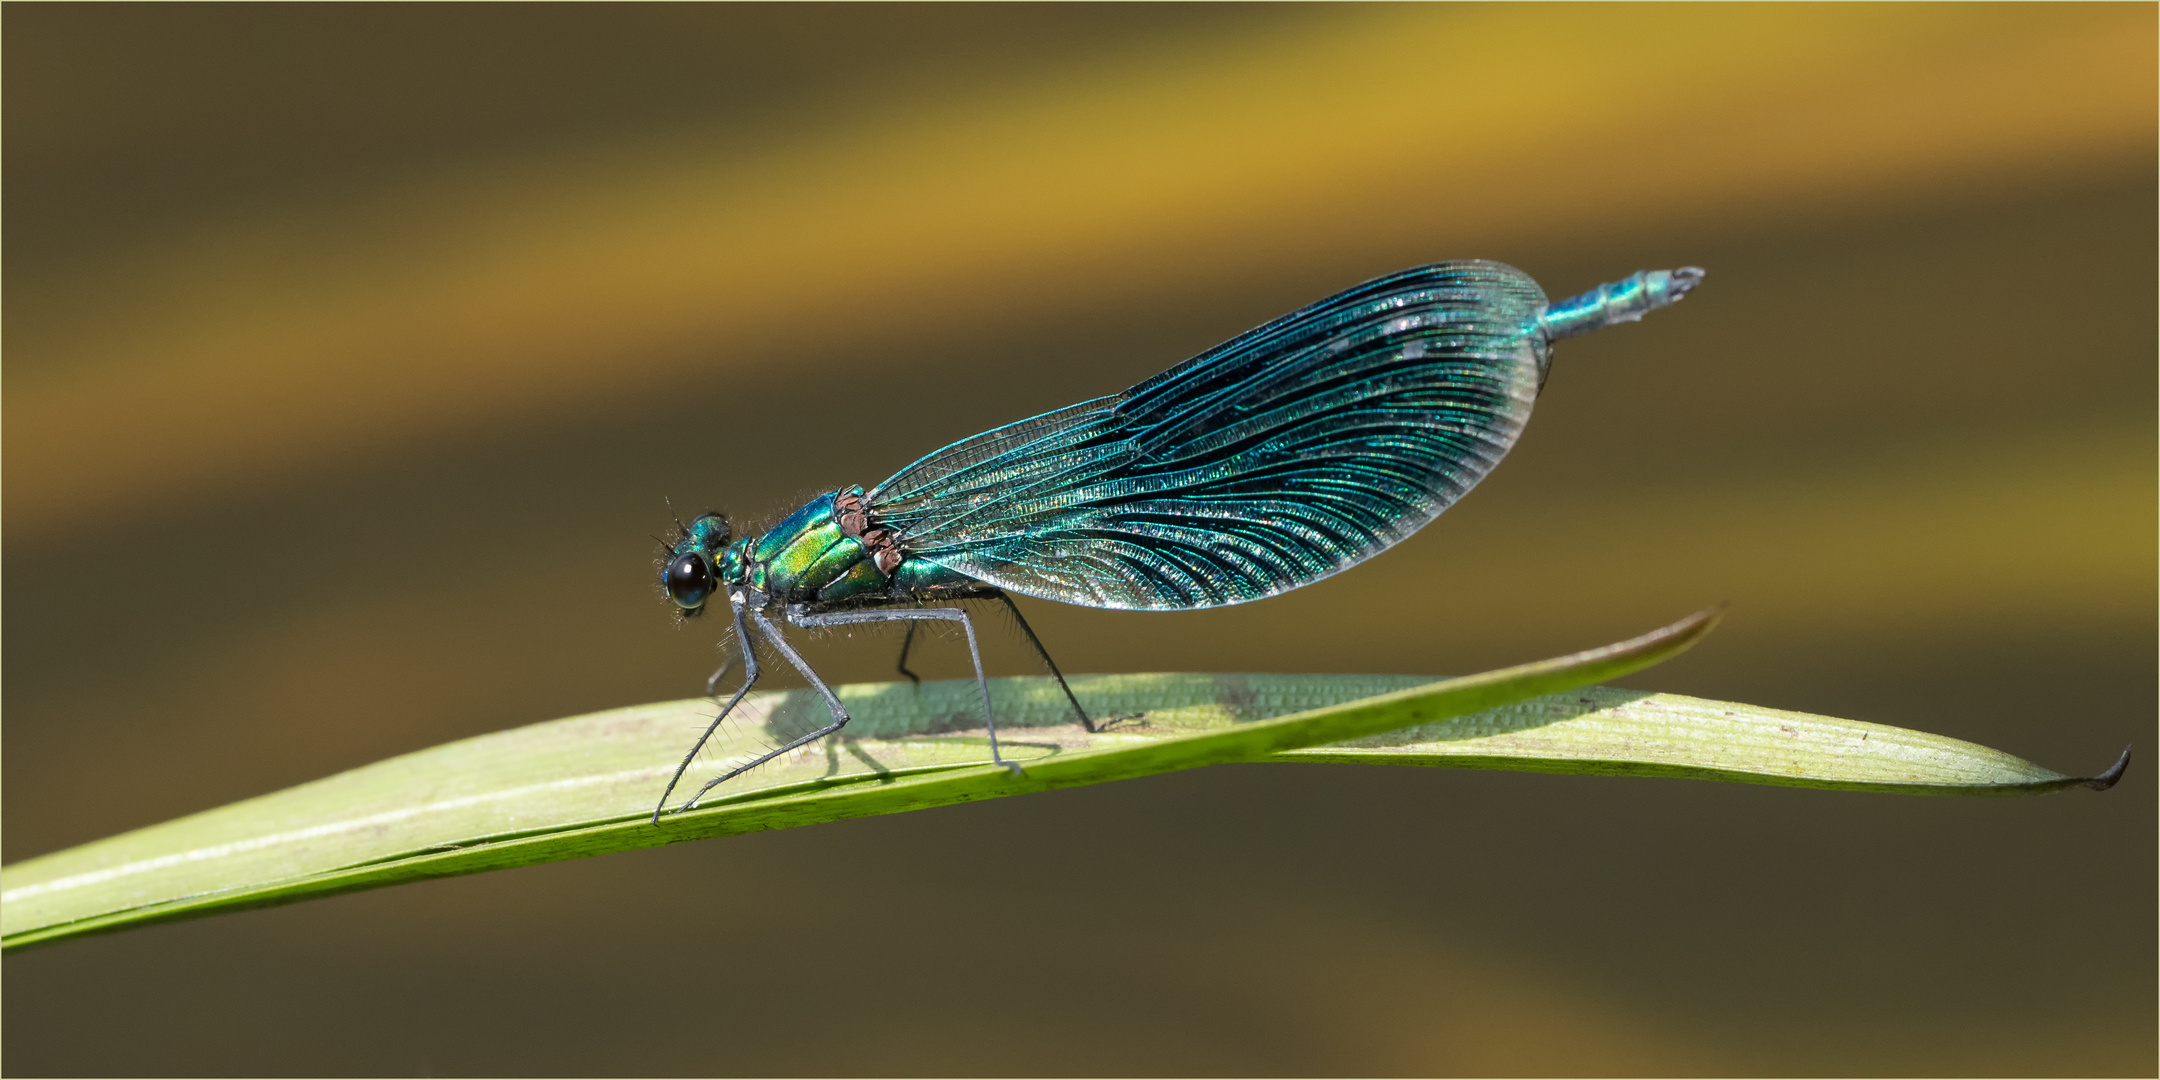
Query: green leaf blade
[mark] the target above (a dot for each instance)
(583, 785)
(1604, 731)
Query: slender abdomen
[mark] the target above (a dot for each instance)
(1626, 300)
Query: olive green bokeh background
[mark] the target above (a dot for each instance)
(1906, 427)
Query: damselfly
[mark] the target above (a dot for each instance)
(1282, 456)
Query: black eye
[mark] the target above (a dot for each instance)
(688, 580)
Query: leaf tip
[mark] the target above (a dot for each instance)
(2115, 772)
(1696, 625)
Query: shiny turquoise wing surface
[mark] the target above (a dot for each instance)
(1275, 459)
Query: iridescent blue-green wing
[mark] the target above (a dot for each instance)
(1273, 460)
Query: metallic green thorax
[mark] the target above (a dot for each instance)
(827, 552)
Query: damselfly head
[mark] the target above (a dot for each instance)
(688, 576)
(707, 532)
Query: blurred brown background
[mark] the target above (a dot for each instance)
(350, 352)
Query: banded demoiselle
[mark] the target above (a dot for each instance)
(1275, 459)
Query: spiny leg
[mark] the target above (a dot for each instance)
(982, 683)
(1052, 664)
(907, 643)
(750, 678)
(840, 716)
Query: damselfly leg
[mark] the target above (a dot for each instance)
(750, 678)
(908, 643)
(912, 615)
(809, 619)
(1051, 664)
(832, 702)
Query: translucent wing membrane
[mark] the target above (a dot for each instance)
(1273, 460)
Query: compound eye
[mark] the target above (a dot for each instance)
(688, 580)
